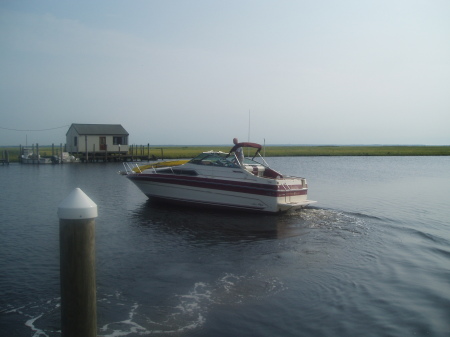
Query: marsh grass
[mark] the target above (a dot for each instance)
(288, 151)
(273, 151)
(178, 152)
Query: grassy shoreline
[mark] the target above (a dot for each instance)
(177, 152)
(294, 151)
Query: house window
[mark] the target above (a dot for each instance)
(117, 140)
(75, 141)
(120, 141)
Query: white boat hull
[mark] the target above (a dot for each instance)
(221, 196)
(218, 180)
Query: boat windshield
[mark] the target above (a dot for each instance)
(215, 159)
(250, 161)
(221, 159)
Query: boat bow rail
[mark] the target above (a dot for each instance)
(130, 169)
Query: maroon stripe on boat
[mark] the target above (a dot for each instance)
(223, 185)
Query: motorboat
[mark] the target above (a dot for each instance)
(68, 158)
(28, 157)
(220, 179)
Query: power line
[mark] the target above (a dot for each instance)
(59, 127)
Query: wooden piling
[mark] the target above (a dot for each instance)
(77, 215)
(5, 157)
(86, 148)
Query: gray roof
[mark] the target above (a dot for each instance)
(99, 129)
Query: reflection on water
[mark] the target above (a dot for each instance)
(217, 225)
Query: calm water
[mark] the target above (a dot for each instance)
(371, 258)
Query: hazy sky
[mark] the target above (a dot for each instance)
(192, 72)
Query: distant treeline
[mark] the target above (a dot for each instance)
(176, 152)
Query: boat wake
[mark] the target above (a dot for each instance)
(310, 232)
(36, 314)
(338, 222)
(189, 311)
(180, 313)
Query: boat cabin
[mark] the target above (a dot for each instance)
(222, 159)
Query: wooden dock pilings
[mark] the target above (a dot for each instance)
(77, 213)
(5, 157)
(135, 153)
(56, 151)
(103, 158)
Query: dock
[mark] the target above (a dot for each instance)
(107, 158)
(36, 154)
(135, 153)
(5, 158)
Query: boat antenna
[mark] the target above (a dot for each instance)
(248, 150)
(248, 126)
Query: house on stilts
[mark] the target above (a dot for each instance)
(93, 142)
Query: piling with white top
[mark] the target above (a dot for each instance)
(77, 213)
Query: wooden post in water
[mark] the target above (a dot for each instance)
(86, 148)
(5, 157)
(77, 213)
(37, 153)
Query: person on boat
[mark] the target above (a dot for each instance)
(239, 152)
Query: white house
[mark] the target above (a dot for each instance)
(97, 138)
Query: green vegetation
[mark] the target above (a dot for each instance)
(177, 152)
(357, 151)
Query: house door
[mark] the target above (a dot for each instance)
(102, 141)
